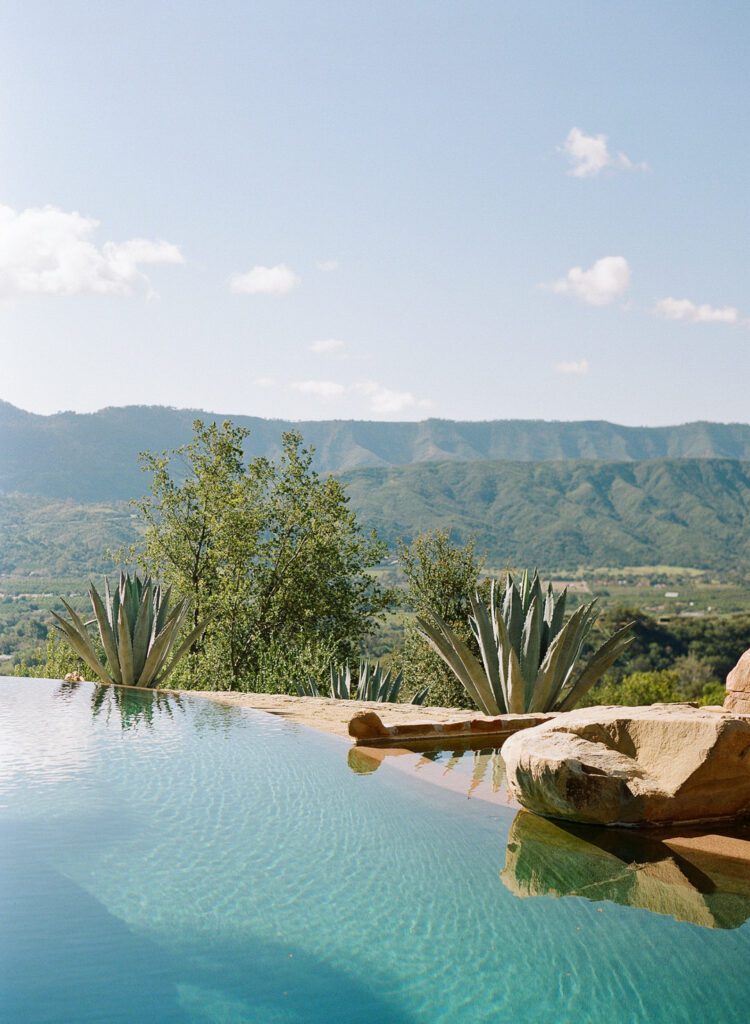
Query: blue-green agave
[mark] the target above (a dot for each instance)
(138, 631)
(529, 654)
(375, 684)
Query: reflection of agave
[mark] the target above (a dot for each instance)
(134, 708)
(375, 684)
(529, 653)
(137, 629)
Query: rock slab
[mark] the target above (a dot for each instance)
(634, 766)
(367, 728)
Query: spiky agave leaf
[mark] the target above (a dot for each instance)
(420, 696)
(138, 630)
(459, 660)
(530, 663)
(106, 633)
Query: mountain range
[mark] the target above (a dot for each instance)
(555, 494)
(94, 456)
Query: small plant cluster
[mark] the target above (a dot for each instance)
(374, 683)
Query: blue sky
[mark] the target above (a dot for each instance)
(377, 210)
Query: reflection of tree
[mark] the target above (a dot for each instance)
(487, 764)
(545, 858)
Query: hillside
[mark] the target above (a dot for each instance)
(688, 512)
(61, 538)
(93, 457)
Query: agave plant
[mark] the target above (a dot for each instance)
(530, 654)
(375, 684)
(138, 631)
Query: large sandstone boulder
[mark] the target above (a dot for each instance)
(738, 687)
(635, 766)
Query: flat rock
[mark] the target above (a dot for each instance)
(636, 766)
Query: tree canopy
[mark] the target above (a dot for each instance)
(270, 549)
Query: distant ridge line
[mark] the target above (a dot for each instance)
(94, 456)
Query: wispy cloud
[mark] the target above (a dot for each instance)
(46, 251)
(684, 309)
(261, 280)
(603, 282)
(387, 400)
(327, 346)
(327, 265)
(579, 368)
(589, 154)
(324, 389)
(378, 398)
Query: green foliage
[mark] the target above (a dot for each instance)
(702, 649)
(440, 575)
(374, 683)
(664, 686)
(269, 549)
(529, 653)
(713, 693)
(138, 632)
(639, 688)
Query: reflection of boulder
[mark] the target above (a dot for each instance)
(738, 687)
(545, 858)
(659, 764)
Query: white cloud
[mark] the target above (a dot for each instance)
(327, 345)
(324, 389)
(603, 282)
(684, 309)
(589, 154)
(46, 251)
(380, 399)
(581, 367)
(384, 399)
(276, 280)
(327, 265)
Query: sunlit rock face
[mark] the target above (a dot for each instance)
(545, 858)
(737, 699)
(636, 766)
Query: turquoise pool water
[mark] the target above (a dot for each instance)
(165, 861)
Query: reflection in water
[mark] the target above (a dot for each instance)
(473, 772)
(545, 858)
(134, 706)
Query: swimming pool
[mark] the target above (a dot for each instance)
(168, 860)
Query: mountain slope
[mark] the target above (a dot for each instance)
(93, 457)
(558, 515)
(692, 512)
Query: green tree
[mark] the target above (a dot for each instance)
(440, 576)
(637, 689)
(270, 549)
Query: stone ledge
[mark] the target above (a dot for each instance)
(368, 729)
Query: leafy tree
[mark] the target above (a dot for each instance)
(440, 576)
(637, 689)
(270, 549)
